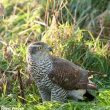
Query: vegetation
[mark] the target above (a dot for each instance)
(76, 29)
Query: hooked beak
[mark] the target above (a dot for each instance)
(50, 49)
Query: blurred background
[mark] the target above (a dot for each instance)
(78, 30)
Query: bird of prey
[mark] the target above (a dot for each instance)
(56, 78)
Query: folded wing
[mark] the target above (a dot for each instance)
(69, 76)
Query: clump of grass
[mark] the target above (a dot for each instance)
(57, 35)
(92, 54)
(101, 103)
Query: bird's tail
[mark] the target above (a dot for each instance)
(91, 85)
(89, 96)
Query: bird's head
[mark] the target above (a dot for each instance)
(38, 49)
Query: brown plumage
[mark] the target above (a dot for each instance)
(69, 76)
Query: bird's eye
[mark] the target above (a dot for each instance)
(40, 47)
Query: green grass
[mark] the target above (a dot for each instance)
(26, 21)
(102, 103)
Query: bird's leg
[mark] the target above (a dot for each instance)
(58, 94)
(45, 94)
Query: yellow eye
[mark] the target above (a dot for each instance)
(40, 47)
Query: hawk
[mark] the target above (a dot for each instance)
(56, 78)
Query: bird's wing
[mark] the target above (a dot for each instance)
(68, 75)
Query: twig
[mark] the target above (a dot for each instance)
(41, 23)
(8, 66)
(21, 87)
(28, 37)
(102, 28)
(2, 42)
